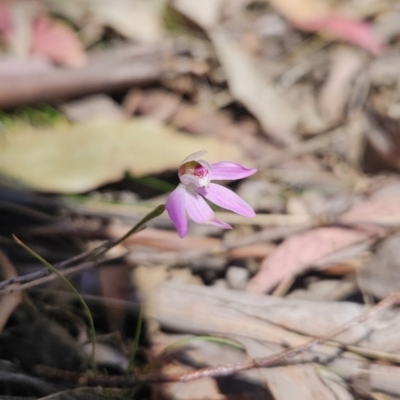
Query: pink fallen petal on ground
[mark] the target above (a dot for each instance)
(357, 32)
(299, 253)
(57, 42)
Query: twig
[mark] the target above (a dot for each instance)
(106, 71)
(213, 372)
(23, 281)
(181, 257)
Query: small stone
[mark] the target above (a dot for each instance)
(237, 277)
(220, 284)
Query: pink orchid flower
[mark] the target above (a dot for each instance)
(188, 198)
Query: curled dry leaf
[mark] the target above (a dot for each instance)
(299, 252)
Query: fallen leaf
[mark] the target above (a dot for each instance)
(299, 252)
(248, 82)
(255, 89)
(134, 19)
(381, 274)
(381, 207)
(335, 92)
(57, 42)
(317, 15)
(357, 32)
(302, 382)
(81, 157)
(205, 15)
(91, 107)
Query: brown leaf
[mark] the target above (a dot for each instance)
(299, 252)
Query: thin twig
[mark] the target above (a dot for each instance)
(213, 372)
(92, 254)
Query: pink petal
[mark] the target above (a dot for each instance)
(225, 198)
(176, 209)
(188, 179)
(199, 211)
(225, 170)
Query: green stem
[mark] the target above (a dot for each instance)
(136, 340)
(99, 251)
(70, 286)
(109, 245)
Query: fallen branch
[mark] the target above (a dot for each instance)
(106, 71)
(212, 372)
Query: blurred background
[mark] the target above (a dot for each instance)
(101, 100)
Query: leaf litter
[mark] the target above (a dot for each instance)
(307, 92)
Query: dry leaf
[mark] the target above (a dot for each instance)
(346, 63)
(270, 319)
(381, 275)
(248, 83)
(302, 382)
(382, 207)
(134, 19)
(81, 157)
(299, 252)
(57, 42)
(318, 15)
(205, 13)
(255, 89)
(27, 30)
(357, 32)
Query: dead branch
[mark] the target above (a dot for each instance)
(213, 372)
(107, 71)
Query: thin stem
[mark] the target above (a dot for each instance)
(136, 340)
(99, 251)
(70, 286)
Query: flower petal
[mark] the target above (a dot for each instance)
(226, 170)
(225, 198)
(194, 156)
(188, 179)
(199, 211)
(175, 206)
